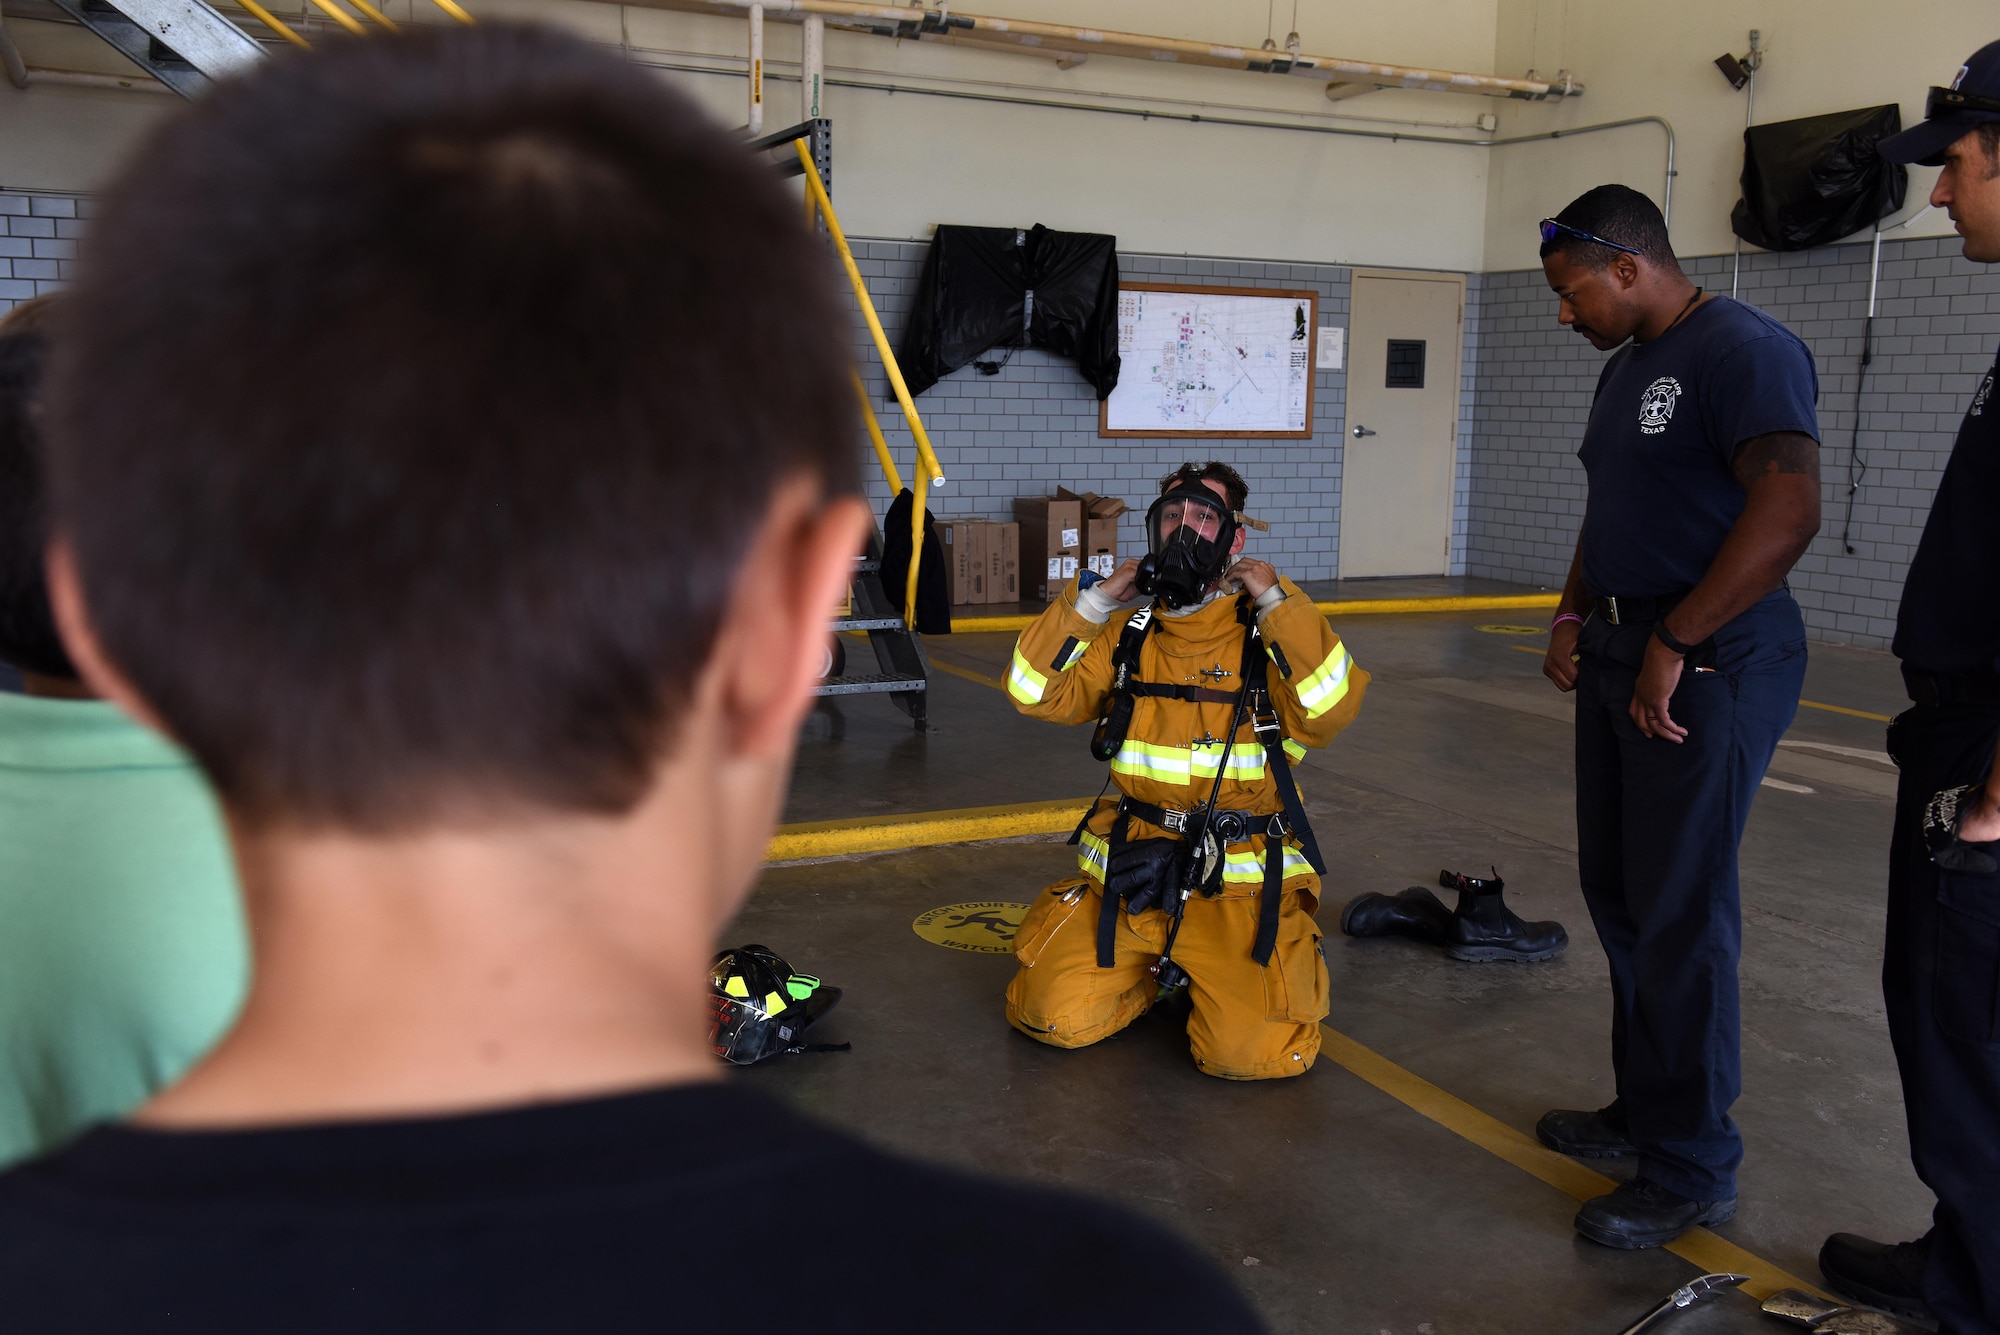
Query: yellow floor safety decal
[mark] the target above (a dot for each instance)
(1489, 1133)
(1513, 630)
(983, 928)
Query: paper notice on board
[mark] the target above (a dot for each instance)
(1332, 343)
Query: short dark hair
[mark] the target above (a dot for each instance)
(28, 639)
(1616, 213)
(1214, 470)
(1989, 141)
(453, 376)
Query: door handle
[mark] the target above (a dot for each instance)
(1361, 431)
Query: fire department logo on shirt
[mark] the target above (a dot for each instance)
(1979, 399)
(1656, 405)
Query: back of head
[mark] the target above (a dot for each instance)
(28, 639)
(1616, 213)
(423, 396)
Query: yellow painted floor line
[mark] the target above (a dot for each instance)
(955, 670)
(880, 834)
(1698, 1246)
(1843, 709)
(1480, 602)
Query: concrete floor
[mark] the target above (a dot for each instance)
(1336, 1206)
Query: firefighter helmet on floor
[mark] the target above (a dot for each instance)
(759, 1007)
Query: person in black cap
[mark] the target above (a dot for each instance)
(1687, 654)
(1941, 963)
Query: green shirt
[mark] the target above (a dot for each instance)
(123, 954)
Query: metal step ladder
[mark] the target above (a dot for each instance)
(902, 667)
(183, 43)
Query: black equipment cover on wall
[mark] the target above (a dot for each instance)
(933, 586)
(1810, 182)
(1000, 287)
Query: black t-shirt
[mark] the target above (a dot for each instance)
(704, 1209)
(1661, 443)
(1950, 619)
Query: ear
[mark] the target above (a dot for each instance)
(772, 643)
(1242, 536)
(79, 637)
(1625, 271)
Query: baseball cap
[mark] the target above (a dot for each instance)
(1972, 99)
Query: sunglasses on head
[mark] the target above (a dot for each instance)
(1551, 229)
(1943, 102)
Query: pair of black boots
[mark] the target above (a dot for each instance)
(1482, 927)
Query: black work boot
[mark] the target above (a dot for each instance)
(1413, 912)
(1484, 928)
(1586, 1135)
(1642, 1213)
(1888, 1275)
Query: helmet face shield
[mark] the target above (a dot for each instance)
(1190, 532)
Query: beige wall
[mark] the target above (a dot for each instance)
(1823, 55)
(906, 162)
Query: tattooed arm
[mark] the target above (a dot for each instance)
(1780, 474)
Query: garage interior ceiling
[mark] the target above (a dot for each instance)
(1342, 77)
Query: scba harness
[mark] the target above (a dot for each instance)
(1146, 874)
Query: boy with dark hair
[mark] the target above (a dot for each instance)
(122, 956)
(495, 647)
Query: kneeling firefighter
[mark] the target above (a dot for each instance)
(1202, 871)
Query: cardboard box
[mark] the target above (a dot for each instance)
(1007, 566)
(955, 536)
(1051, 543)
(1100, 547)
(981, 538)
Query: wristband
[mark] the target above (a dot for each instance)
(1666, 637)
(1566, 616)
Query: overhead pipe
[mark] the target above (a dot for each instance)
(10, 56)
(755, 122)
(812, 67)
(1240, 122)
(907, 22)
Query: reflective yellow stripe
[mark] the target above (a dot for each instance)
(1327, 686)
(1168, 764)
(1024, 683)
(1294, 750)
(1248, 868)
(1092, 855)
(1075, 657)
(1246, 761)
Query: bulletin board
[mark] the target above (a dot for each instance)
(1212, 362)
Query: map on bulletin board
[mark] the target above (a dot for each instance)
(1212, 361)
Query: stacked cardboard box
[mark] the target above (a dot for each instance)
(1063, 533)
(982, 560)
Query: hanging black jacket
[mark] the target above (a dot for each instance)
(999, 287)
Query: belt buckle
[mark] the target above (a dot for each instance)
(1612, 616)
(1231, 827)
(1176, 821)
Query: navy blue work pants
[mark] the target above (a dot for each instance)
(1658, 827)
(1941, 983)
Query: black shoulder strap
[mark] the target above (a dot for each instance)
(1264, 720)
(1117, 720)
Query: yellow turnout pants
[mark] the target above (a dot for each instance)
(1250, 1021)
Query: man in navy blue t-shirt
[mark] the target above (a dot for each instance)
(1941, 961)
(1687, 654)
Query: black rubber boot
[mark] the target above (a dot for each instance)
(1414, 912)
(1484, 928)
(1888, 1275)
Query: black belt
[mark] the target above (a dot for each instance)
(1637, 611)
(1933, 690)
(1230, 827)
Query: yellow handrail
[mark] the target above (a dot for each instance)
(927, 467)
(341, 16)
(452, 9)
(882, 454)
(273, 22)
(376, 15)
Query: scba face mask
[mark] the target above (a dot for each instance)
(1190, 532)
